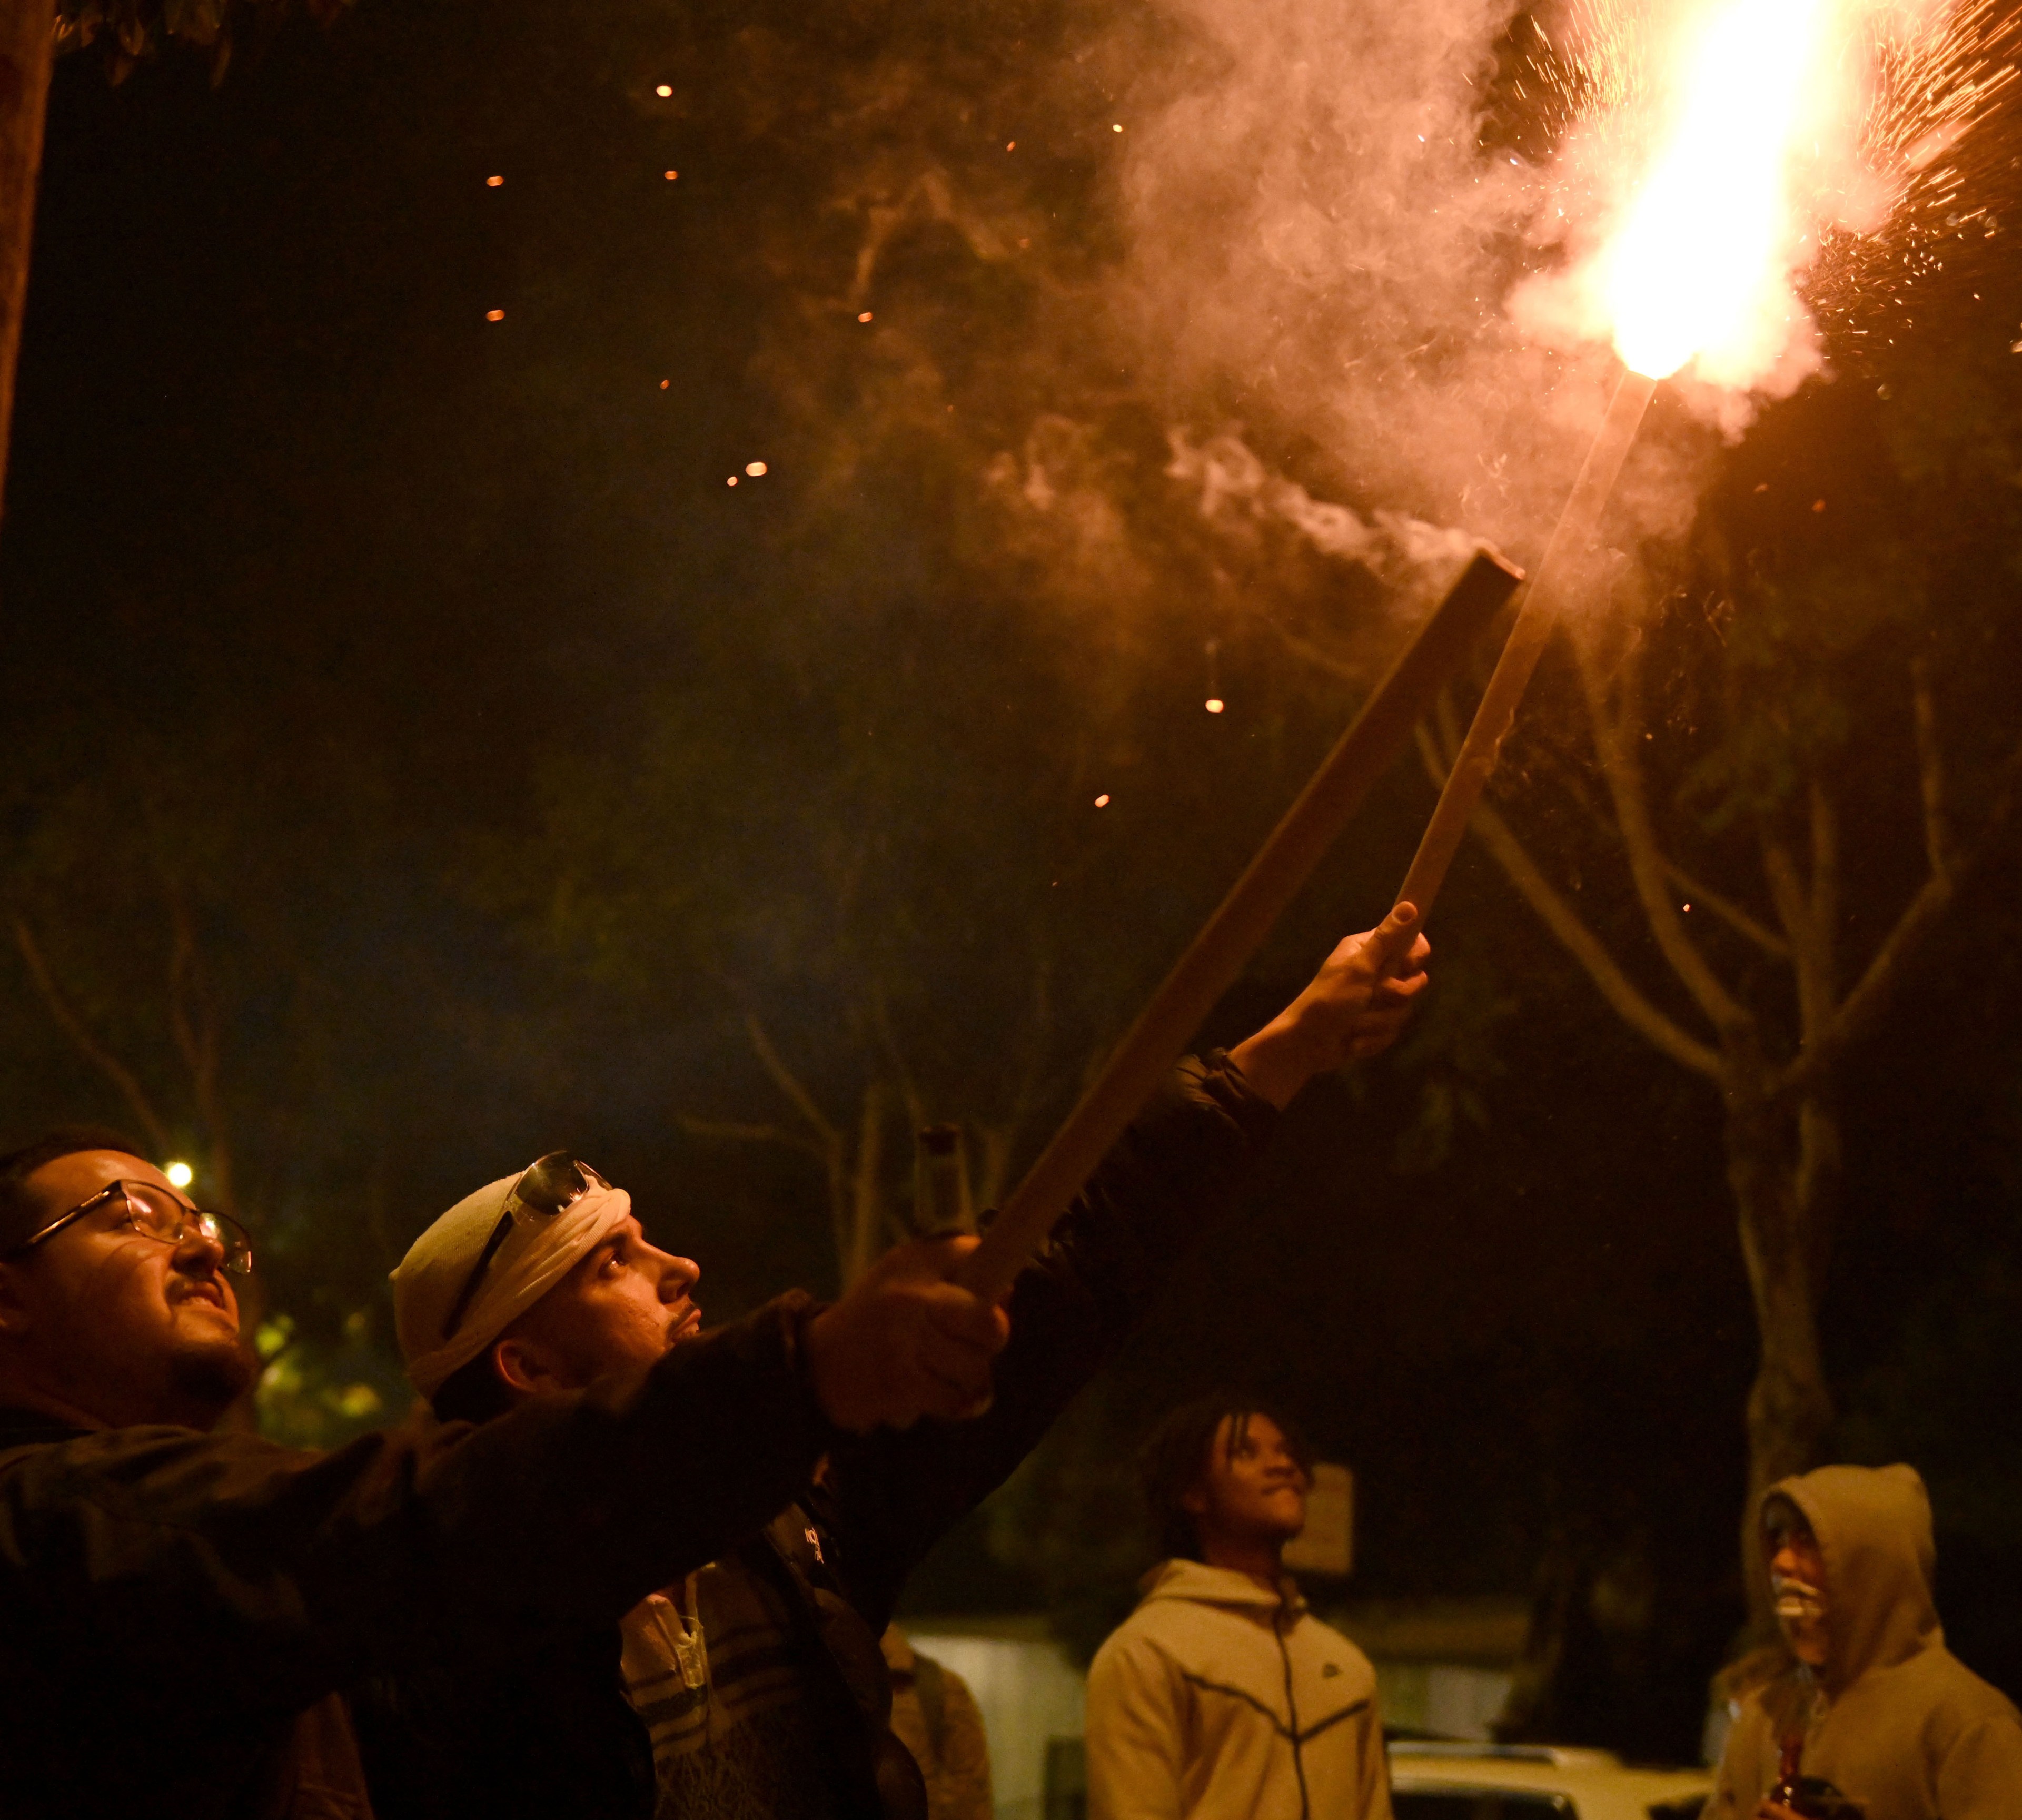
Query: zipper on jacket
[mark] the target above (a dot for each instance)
(1284, 1617)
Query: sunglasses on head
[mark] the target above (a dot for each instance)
(549, 1186)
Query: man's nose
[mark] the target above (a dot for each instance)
(198, 1252)
(677, 1276)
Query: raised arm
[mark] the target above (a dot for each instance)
(1176, 1172)
(268, 1577)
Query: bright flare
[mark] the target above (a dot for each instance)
(1702, 268)
(179, 1175)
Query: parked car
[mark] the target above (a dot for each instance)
(1441, 1781)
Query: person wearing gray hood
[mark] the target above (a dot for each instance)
(1877, 1718)
(1221, 1697)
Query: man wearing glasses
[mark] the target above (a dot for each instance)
(179, 1608)
(755, 1687)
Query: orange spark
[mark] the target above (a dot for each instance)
(494, 182)
(494, 316)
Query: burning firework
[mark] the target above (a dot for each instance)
(1786, 120)
(1790, 162)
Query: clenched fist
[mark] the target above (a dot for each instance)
(1355, 1007)
(906, 1341)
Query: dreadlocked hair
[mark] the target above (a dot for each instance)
(1177, 1458)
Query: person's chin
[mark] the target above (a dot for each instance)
(206, 1323)
(211, 1372)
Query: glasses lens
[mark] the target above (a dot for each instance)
(230, 1239)
(157, 1215)
(555, 1182)
(160, 1215)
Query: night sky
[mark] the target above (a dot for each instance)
(506, 757)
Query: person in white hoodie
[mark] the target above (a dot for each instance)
(1221, 1697)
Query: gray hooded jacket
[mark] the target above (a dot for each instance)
(1895, 1726)
(1218, 1699)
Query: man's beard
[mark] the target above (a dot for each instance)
(212, 1377)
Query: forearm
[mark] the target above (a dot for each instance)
(1173, 1174)
(272, 1577)
(1279, 1060)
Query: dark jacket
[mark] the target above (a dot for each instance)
(177, 1609)
(550, 1732)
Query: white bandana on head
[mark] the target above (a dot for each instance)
(534, 1256)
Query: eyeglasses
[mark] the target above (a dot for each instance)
(154, 1213)
(546, 1187)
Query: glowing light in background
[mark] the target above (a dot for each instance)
(665, 91)
(179, 1175)
(863, 316)
(494, 182)
(1214, 704)
(754, 469)
(1102, 801)
(494, 316)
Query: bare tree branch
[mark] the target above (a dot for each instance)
(94, 1051)
(736, 1132)
(1823, 958)
(1796, 909)
(1577, 939)
(788, 1082)
(1697, 891)
(888, 1040)
(1618, 737)
(1863, 1006)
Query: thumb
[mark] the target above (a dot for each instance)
(1392, 939)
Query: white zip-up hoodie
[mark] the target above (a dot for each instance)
(1218, 1700)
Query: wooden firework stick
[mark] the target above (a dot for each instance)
(1216, 957)
(1497, 714)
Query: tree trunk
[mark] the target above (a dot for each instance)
(27, 50)
(1783, 1164)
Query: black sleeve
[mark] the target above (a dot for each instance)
(889, 1496)
(145, 1558)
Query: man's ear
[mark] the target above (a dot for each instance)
(524, 1367)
